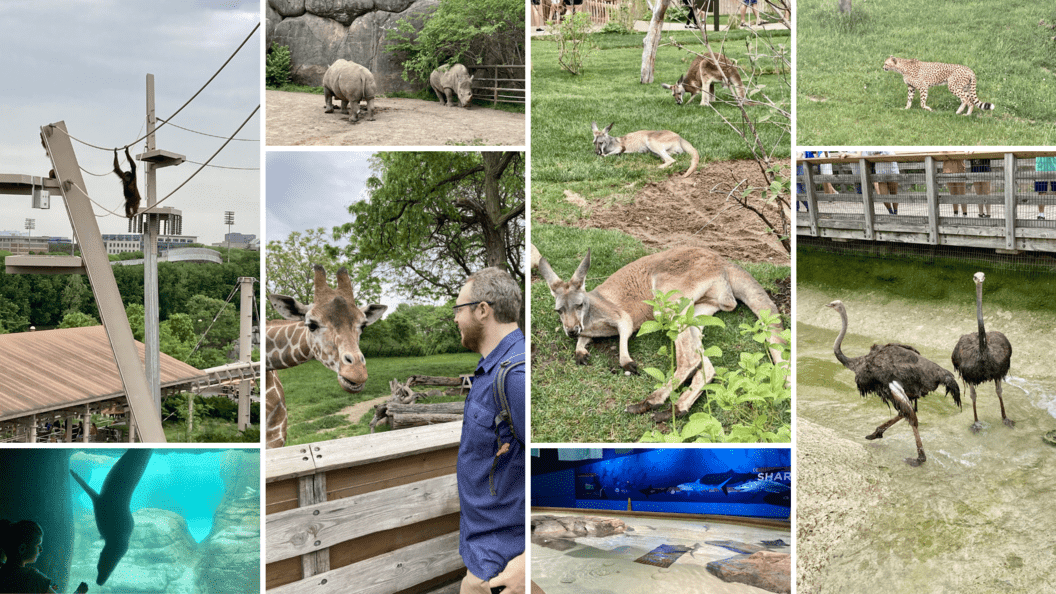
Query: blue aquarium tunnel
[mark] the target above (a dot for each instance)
(749, 482)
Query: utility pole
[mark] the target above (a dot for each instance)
(150, 224)
(245, 347)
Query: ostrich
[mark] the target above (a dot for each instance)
(899, 376)
(983, 356)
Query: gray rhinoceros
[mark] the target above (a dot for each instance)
(351, 83)
(448, 80)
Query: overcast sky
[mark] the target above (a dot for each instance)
(85, 62)
(307, 190)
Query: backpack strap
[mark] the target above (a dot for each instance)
(502, 404)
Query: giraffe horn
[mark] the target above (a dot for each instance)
(323, 292)
(344, 286)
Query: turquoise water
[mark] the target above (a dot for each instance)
(182, 481)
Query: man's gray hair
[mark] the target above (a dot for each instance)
(497, 286)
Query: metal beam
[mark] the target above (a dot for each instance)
(101, 278)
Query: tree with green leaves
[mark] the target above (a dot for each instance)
(470, 32)
(434, 218)
(289, 264)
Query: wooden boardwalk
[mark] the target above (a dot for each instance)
(848, 204)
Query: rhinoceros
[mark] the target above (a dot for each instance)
(351, 83)
(448, 80)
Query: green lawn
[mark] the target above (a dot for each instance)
(314, 398)
(585, 404)
(844, 97)
(608, 91)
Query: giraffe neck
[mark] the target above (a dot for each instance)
(288, 344)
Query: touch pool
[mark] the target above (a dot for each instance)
(605, 565)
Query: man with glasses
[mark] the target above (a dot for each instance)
(491, 453)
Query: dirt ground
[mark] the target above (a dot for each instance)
(297, 119)
(696, 211)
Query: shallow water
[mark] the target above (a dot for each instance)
(606, 565)
(980, 514)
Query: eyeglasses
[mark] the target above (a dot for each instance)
(454, 308)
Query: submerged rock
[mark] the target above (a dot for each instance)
(572, 526)
(766, 570)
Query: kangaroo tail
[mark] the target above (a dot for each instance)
(748, 291)
(696, 157)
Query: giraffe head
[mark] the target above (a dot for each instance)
(333, 325)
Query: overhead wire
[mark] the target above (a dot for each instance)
(205, 134)
(215, 318)
(188, 102)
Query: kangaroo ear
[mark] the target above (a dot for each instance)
(665, 85)
(681, 79)
(547, 273)
(584, 266)
(606, 131)
(594, 127)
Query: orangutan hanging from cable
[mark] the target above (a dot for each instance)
(128, 181)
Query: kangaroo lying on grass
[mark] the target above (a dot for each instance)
(616, 307)
(662, 143)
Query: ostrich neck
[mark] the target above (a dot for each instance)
(839, 339)
(979, 314)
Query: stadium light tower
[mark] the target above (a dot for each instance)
(31, 224)
(229, 219)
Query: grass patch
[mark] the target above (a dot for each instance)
(211, 431)
(846, 98)
(939, 280)
(314, 398)
(563, 107)
(585, 404)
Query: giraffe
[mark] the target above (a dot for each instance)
(327, 330)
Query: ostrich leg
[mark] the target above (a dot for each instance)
(976, 426)
(879, 433)
(1008, 422)
(920, 446)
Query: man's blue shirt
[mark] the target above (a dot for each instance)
(492, 526)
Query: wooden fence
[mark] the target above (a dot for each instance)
(847, 205)
(602, 10)
(374, 514)
(496, 86)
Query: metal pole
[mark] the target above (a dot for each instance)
(151, 330)
(245, 345)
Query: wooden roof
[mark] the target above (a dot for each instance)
(55, 369)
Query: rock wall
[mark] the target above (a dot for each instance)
(319, 32)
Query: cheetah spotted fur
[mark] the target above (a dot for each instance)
(923, 75)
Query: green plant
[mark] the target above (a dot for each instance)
(757, 391)
(674, 317)
(573, 42)
(277, 66)
(778, 191)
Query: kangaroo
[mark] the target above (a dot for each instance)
(616, 307)
(705, 72)
(662, 143)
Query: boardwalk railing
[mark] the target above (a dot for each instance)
(490, 83)
(372, 514)
(995, 201)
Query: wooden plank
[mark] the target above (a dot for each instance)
(312, 491)
(280, 496)
(284, 572)
(933, 201)
(318, 526)
(364, 449)
(443, 408)
(387, 573)
(290, 462)
(449, 583)
(407, 420)
(346, 482)
(360, 549)
(1010, 200)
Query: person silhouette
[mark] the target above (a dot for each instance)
(22, 542)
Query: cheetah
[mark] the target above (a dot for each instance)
(923, 75)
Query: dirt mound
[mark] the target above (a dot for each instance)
(697, 211)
